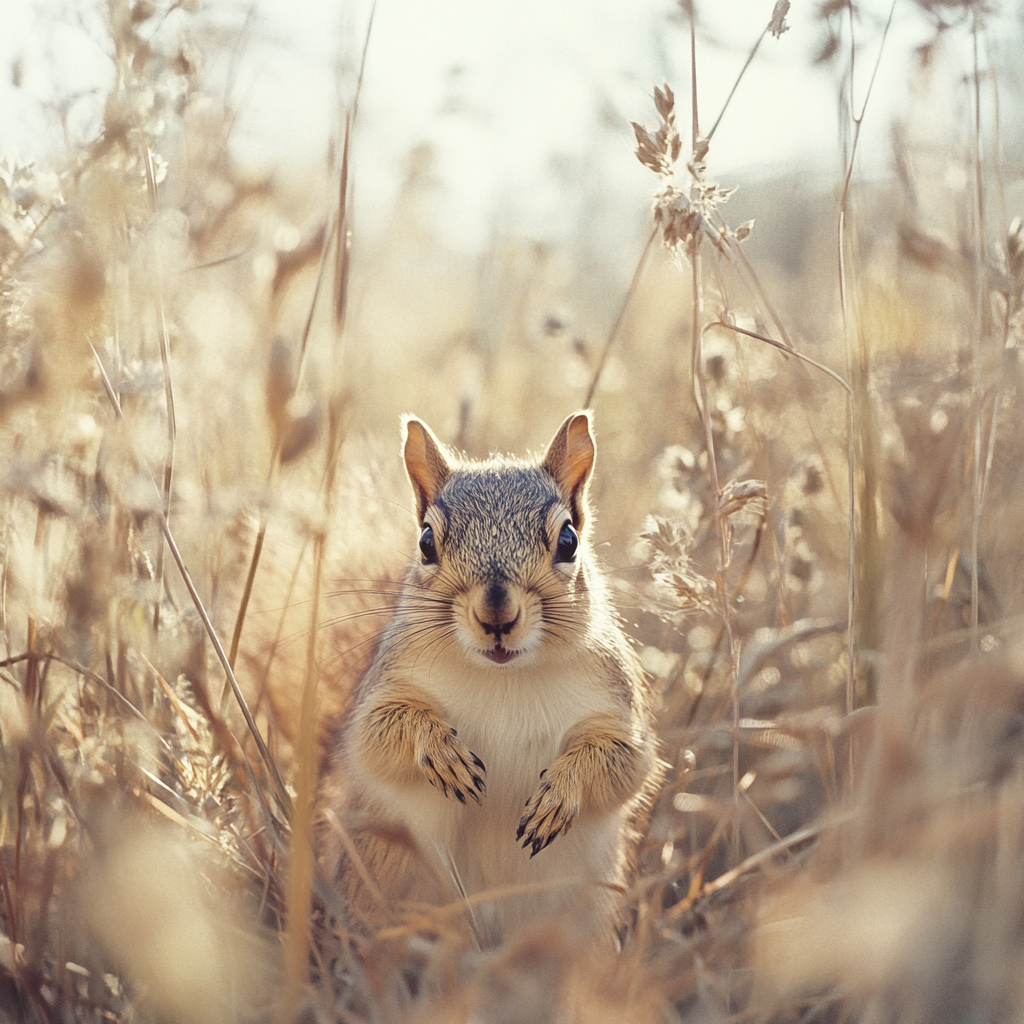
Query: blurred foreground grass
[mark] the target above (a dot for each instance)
(184, 355)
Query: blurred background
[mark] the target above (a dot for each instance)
(190, 350)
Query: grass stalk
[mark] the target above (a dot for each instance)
(997, 400)
(339, 232)
(701, 392)
(165, 362)
(787, 350)
(617, 326)
(277, 783)
(275, 464)
(735, 85)
(977, 336)
(243, 605)
(301, 867)
(858, 404)
(299, 891)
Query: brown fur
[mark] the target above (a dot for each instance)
(504, 632)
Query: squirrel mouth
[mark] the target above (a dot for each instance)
(500, 655)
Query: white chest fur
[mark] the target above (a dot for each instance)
(515, 721)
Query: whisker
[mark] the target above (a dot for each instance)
(450, 640)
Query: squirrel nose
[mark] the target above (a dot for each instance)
(498, 628)
(496, 619)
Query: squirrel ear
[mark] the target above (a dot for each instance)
(425, 463)
(569, 459)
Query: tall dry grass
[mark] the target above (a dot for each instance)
(809, 500)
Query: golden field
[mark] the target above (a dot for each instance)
(817, 551)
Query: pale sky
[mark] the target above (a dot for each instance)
(509, 93)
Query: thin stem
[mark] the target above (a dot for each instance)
(301, 861)
(32, 697)
(762, 293)
(786, 349)
(107, 386)
(853, 426)
(858, 119)
(275, 462)
(304, 345)
(725, 605)
(275, 776)
(344, 237)
(616, 327)
(997, 401)
(340, 305)
(165, 361)
(302, 865)
(250, 578)
(694, 136)
(735, 86)
(700, 380)
(979, 332)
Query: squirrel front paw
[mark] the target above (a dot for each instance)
(449, 764)
(551, 810)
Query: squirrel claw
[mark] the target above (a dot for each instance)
(449, 765)
(550, 812)
(542, 844)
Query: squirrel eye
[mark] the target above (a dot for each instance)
(568, 542)
(427, 546)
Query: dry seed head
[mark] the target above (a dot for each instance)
(667, 540)
(778, 25)
(690, 590)
(684, 215)
(808, 476)
(24, 197)
(672, 568)
(738, 494)
(659, 150)
(927, 249)
(665, 101)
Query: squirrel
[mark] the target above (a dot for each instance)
(499, 752)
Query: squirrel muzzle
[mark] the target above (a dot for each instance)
(499, 617)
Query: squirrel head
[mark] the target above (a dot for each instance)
(502, 542)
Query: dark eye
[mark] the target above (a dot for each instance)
(427, 547)
(568, 542)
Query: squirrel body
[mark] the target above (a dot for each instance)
(500, 747)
